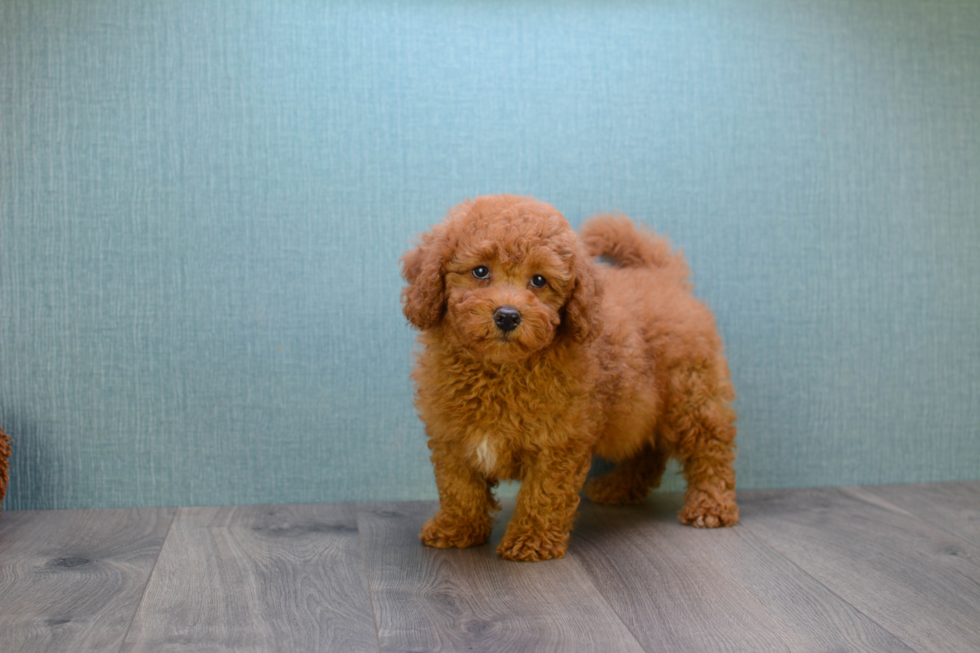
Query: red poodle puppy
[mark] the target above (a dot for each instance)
(535, 358)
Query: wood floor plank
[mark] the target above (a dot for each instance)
(917, 581)
(258, 578)
(71, 580)
(954, 507)
(685, 589)
(429, 599)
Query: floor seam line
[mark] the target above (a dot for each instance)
(149, 578)
(816, 580)
(367, 577)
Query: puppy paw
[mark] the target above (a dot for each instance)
(704, 510)
(533, 547)
(443, 533)
(613, 491)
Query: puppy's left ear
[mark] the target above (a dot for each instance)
(582, 316)
(423, 300)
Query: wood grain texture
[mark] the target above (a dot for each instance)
(684, 589)
(71, 580)
(258, 578)
(429, 599)
(915, 580)
(953, 507)
(888, 568)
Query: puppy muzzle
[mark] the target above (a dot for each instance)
(507, 318)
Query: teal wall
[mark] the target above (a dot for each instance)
(202, 205)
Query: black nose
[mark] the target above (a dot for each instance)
(507, 318)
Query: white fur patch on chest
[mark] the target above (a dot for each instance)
(485, 455)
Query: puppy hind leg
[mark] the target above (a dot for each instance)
(631, 480)
(706, 435)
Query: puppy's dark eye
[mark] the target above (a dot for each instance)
(481, 272)
(538, 281)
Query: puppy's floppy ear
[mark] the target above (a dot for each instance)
(424, 299)
(582, 319)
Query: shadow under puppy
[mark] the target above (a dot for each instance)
(534, 358)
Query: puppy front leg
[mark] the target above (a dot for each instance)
(466, 504)
(546, 507)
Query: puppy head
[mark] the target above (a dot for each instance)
(504, 276)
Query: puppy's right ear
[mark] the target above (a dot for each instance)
(424, 299)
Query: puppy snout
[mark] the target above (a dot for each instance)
(507, 318)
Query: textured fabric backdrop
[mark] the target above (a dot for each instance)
(202, 205)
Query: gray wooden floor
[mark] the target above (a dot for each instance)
(893, 568)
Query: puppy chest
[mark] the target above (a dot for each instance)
(495, 456)
(514, 402)
(484, 455)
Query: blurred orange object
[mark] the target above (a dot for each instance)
(4, 457)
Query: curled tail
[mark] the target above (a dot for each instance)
(617, 239)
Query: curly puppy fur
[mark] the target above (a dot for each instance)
(4, 461)
(534, 357)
